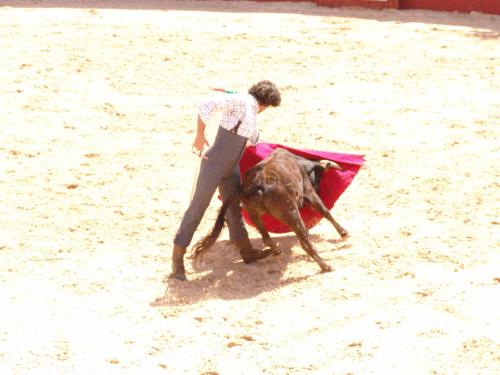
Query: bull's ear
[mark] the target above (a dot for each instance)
(327, 164)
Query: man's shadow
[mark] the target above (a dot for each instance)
(223, 275)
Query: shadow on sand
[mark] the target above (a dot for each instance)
(223, 275)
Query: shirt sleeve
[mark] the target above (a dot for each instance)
(254, 138)
(210, 105)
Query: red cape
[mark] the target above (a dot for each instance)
(333, 182)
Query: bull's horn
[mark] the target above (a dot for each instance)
(327, 164)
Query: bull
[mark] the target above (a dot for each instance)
(279, 185)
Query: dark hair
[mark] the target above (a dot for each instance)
(266, 93)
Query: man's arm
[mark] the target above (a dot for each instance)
(205, 110)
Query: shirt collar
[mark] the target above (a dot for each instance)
(255, 105)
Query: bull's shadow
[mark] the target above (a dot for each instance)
(223, 275)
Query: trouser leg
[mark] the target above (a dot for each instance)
(238, 234)
(178, 270)
(230, 185)
(208, 180)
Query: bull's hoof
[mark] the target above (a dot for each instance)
(344, 235)
(179, 275)
(253, 256)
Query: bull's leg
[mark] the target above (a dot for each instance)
(293, 220)
(268, 241)
(319, 206)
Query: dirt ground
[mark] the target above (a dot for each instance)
(97, 115)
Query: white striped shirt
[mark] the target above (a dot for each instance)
(236, 108)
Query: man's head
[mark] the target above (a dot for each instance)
(266, 93)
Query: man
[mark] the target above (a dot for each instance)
(219, 166)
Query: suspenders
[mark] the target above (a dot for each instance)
(236, 127)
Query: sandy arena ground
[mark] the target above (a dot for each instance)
(97, 115)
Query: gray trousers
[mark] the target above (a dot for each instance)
(219, 170)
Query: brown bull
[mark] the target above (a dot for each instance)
(279, 185)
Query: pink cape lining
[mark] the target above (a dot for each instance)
(333, 182)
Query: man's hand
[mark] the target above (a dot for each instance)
(200, 141)
(199, 145)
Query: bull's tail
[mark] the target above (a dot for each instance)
(203, 245)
